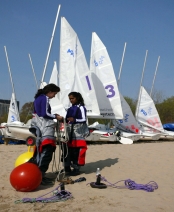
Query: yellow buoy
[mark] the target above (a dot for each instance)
(24, 157)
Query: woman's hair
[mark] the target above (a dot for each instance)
(78, 96)
(50, 87)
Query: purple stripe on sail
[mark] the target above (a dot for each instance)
(89, 85)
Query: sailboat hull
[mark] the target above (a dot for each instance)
(132, 136)
(99, 135)
(17, 132)
(150, 136)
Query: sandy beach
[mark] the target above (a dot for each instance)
(140, 162)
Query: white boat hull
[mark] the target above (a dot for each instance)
(145, 136)
(132, 136)
(16, 131)
(98, 135)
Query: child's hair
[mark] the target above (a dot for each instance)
(50, 87)
(78, 96)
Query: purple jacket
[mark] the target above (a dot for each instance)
(78, 113)
(42, 107)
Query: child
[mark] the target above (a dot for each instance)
(77, 131)
(46, 144)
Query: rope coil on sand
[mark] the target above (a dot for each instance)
(129, 184)
(58, 195)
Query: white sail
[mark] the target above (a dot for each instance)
(128, 122)
(42, 85)
(54, 75)
(13, 114)
(146, 112)
(56, 106)
(104, 80)
(74, 74)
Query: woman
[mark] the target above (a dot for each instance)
(43, 127)
(78, 130)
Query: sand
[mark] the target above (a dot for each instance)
(141, 162)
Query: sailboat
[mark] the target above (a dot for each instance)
(74, 75)
(14, 129)
(128, 125)
(105, 84)
(111, 102)
(148, 116)
(13, 115)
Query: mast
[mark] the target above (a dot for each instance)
(9, 70)
(45, 66)
(141, 82)
(154, 76)
(33, 71)
(118, 81)
(16, 109)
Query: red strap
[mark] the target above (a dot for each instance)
(46, 142)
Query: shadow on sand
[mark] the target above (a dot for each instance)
(87, 169)
(92, 167)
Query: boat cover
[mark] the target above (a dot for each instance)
(169, 126)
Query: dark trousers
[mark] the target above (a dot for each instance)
(45, 158)
(70, 155)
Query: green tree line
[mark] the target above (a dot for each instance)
(165, 109)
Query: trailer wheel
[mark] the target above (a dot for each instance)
(30, 141)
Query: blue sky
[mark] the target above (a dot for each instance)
(26, 27)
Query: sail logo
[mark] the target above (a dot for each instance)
(71, 52)
(120, 121)
(144, 112)
(107, 114)
(149, 110)
(13, 105)
(154, 122)
(100, 61)
(126, 117)
(133, 128)
(12, 118)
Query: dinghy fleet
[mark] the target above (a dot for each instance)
(99, 88)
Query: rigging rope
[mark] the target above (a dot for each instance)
(62, 137)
